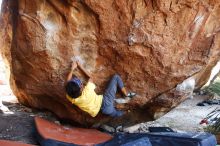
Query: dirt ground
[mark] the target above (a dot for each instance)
(17, 121)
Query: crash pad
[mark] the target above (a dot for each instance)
(12, 143)
(164, 139)
(50, 133)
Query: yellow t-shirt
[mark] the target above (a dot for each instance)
(89, 101)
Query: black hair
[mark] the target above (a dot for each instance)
(72, 89)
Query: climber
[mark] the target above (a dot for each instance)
(86, 98)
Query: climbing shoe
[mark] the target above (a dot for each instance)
(131, 94)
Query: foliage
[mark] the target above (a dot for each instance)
(214, 88)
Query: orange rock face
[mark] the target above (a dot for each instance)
(154, 45)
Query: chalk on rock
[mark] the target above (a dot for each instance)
(77, 58)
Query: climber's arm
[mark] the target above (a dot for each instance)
(84, 71)
(73, 67)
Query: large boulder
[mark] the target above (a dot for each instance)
(159, 47)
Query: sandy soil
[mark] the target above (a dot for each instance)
(185, 117)
(17, 121)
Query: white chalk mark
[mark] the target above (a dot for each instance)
(77, 58)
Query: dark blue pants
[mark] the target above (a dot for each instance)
(109, 95)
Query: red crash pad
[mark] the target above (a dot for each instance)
(12, 143)
(80, 136)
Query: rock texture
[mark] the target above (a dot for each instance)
(153, 44)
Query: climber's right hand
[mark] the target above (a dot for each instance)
(74, 65)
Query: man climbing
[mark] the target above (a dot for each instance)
(86, 98)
